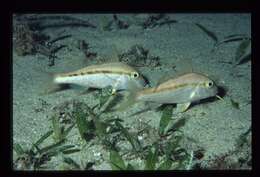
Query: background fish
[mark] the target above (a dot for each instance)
(117, 75)
(182, 91)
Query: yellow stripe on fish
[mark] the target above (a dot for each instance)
(118, 75)
(113, 68)
(190, 79)
(182, 91)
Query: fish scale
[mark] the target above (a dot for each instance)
(182, 90)
(116, 68)
(118, 75)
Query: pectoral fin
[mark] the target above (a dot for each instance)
(182, 107)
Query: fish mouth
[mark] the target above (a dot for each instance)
(216, 90)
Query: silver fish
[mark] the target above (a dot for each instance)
(182, 91)
(117, 75)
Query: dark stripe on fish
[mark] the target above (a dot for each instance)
(96, 72)
(178, 86)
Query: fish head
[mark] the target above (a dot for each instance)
(137, 79)
(204, 89)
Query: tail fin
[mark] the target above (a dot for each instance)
(48, 85)
(130, 98)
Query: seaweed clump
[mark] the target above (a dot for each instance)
(84, 46)
(157, 20)
(29, 42)
(115, 23)
(29, 39)
(139, 57)
(37, 156)
(26, 41)
(157, 149)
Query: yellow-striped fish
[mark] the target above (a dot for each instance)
(182, 91)
(117, 75)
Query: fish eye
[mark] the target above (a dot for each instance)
(209, 84)
(135, 75)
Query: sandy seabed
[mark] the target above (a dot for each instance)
(215, 126)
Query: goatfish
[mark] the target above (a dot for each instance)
(117, 75)
(182, 90)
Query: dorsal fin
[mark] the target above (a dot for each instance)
(183, 66)
(114, 54)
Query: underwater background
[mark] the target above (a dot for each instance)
(66, 130)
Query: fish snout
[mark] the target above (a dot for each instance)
(215, 90)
